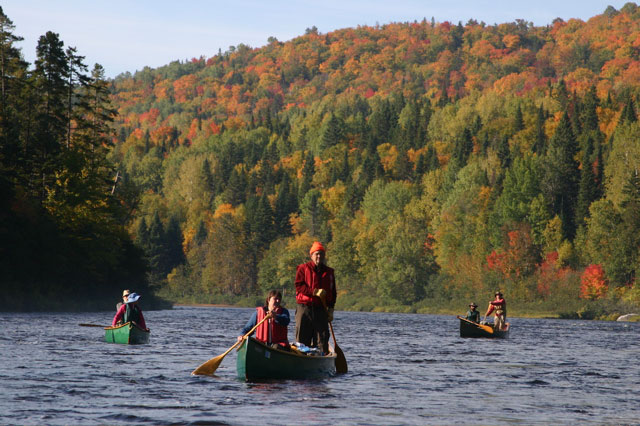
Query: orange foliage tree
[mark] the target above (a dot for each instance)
(593, 283)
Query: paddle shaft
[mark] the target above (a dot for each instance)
(341, 361)
(482, 326)
(94, 325)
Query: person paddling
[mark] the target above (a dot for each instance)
(273, 332)
(130, 311)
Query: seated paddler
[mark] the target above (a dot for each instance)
(472, 313)
(273, 331)
(130, 311)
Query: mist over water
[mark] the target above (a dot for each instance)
(404, 369)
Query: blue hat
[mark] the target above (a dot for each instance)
(133, 297)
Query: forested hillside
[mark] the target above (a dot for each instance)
(437, 162)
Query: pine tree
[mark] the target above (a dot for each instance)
(49, 80)
(12, 77)
(235, 193)
(308, 170)
(518, 120)
(540, 143)
(562, 174)
(628, 114)
(587, 190)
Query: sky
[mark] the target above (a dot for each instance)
(127, 35)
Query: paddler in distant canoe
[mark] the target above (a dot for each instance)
(273, 332)
(498, 307)
(472, 313)
(130, 311)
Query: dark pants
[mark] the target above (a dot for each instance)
(312, 326)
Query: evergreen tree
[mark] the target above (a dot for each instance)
(332, 132)
(589, 114)
(235, 193)
(518, 120)
(286, 203)
(462, 149)
(173, 241)
(587, 190)
(540, 143)
(49, 80)
(12, 78)
(308, 170)
(560, 182)
(628, 113)
(155, 249)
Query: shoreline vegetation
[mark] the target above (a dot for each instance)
(514, 313)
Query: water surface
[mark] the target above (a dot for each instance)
(404, 369)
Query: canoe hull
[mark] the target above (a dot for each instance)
(468, 329)
(257, 361)
(126, 334)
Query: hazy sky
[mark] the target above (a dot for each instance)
(127, 35)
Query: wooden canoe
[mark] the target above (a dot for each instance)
(127, 334)
(472, 329)
(257, 361)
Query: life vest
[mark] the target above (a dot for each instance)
(131, 313)
(500, 308)
(270, 331)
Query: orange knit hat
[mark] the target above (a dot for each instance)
(316, 246)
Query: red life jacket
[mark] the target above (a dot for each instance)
(270, 331)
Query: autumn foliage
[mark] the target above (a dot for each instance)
(593, 283)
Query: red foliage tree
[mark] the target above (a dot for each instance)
(594, 283)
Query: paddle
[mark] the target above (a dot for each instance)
(94, 325)
(341, 361)
(209, 367)
(482, 326)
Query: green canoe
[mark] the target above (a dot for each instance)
(127, 334)
(472, 329)
(257, 361)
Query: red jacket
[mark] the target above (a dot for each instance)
(309, 278)
(271, 331)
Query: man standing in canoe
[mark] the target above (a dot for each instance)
(274, 330)
(316, 297)
(499, 308)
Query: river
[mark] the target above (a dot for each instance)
(404, 369)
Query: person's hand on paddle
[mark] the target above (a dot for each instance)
(330, 314)
(320, 293)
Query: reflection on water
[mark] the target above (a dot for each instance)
(403, 369)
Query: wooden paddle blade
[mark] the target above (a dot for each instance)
(209, 367)
(486, 328)
(341, 361)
